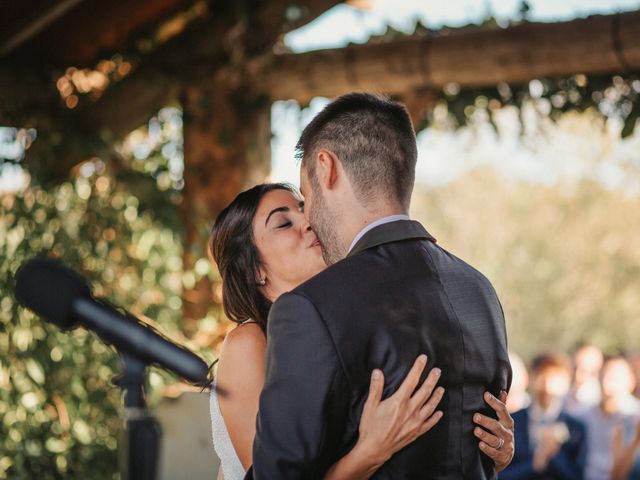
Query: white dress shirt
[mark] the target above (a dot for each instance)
(377, 223)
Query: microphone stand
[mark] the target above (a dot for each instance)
(138, 456)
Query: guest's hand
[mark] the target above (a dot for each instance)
(387, 426)
(496, 436)
(548, 446)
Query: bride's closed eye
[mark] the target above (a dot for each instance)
(285, 225)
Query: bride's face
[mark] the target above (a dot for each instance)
(289, 250)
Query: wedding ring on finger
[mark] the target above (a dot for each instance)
(500, 443)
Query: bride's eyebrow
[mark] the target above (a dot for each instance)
(275, 210)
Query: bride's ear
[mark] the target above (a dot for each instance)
(261, 281)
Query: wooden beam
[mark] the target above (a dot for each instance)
(94, 30)
(34, 27)
(474, 57)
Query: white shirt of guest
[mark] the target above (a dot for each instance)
(540, 419)
(377, 223)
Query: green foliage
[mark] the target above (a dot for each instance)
(612, 96)
(59, 410)
(151, 165)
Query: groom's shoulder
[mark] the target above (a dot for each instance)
(339, 275)
(383, 263)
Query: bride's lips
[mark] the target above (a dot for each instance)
(315, 243)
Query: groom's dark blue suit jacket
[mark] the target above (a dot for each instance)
(396, 295)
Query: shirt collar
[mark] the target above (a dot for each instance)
(377, 223)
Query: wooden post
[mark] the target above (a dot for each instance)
(227, 138)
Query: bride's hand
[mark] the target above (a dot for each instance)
(496, 436)
(387, 426)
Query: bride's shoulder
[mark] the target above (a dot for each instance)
(242, 359)
(247, 339)
(246, 334)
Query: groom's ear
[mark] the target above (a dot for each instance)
(327, 169)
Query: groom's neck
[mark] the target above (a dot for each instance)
(362, 215)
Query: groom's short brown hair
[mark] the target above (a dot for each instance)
(374, 139)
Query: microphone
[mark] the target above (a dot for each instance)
(63, 297)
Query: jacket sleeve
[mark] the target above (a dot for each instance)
(304, 403)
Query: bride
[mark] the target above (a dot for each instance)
(264, 247)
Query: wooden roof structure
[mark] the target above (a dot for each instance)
(168, 44)
(163, 39)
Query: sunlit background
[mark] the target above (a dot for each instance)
(545, 203)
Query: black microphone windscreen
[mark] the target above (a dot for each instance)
(49, 289)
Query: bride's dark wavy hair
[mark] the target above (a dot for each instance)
(233, 248)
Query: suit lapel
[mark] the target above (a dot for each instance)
(391, 232)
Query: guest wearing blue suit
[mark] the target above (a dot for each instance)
(550, 444)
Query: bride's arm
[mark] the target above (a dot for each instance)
(388, 426)
(240, 375)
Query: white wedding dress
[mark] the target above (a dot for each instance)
(229, 462)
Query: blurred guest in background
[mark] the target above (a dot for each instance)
(550, 444)
(518, 397)
(585, 391)
(634, 361)
(618, 411)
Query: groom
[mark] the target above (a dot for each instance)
(389, 294)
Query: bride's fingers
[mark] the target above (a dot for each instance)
(500, 457)
(492, 440)
(375, 390)
(413, 377)
(426, 389)
(429, 407)
(494, 426)
(501, 410)
(430, 423)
